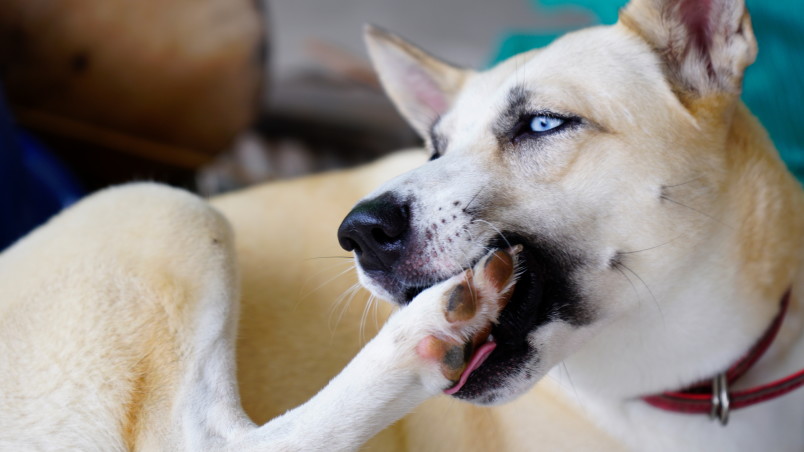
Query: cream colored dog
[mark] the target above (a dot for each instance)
(659, 234)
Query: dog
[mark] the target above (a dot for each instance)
(619, 219)
(663, 237)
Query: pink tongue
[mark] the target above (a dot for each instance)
(477, 360)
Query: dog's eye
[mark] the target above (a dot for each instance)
(536, 125)
(544, 123)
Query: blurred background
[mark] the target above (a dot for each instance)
(216, 95)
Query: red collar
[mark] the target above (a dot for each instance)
(714, 397)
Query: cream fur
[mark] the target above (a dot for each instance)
(118, 319)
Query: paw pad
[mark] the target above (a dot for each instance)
(462, 301)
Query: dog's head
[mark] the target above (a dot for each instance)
(591, 152)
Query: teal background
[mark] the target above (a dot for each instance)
(773, 86)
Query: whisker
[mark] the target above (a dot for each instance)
(466, 207)
(569, 379)
(472, 238)
(651, 248)
(683, 183)
(337, 302)
(497, 230)
(636, 292)
(343, 302)
(655, 300)
(318, 272)
(376, 310)
(363, 317)
(667, 198)
(317, 288)
(302, 295)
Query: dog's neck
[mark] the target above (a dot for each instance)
(710, 317)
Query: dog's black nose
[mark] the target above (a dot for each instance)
(375, 230)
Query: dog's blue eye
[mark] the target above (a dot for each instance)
(543, 123)
(537, 125)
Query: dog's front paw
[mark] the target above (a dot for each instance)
(455, 318)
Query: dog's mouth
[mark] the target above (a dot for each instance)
(509, 362)
(508, 353)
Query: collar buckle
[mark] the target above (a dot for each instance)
(720, 399)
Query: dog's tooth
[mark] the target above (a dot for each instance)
(490, 338)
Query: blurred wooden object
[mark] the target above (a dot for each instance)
(173, 81)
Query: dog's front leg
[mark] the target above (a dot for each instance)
(422, 350)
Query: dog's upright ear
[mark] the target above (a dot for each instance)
(421, 86)
(705, 44)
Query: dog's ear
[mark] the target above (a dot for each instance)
(421, 86)
(705, 44)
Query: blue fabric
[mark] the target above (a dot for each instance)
(33, 184)
(773, 86)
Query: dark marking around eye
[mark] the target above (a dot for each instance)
(514, 121)
(516, 106)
